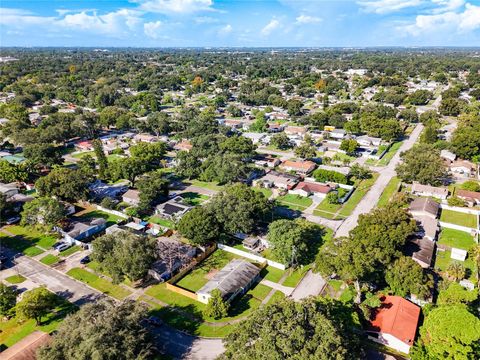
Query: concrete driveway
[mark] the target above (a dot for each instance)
(312, 284)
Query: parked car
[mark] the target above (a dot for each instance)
(63, 246)
(154, 321)
(13, 220)
(85, 260)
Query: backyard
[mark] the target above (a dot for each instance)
(193, 198)
(110, 218)
(443, 260)
(455, 238)
(458, 218)
(294, 202)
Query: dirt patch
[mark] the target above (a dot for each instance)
(211, 274)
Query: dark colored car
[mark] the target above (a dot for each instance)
(85, 260)
(154, 321)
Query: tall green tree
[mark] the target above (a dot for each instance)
(65, 184)
(200, 226)
(102, 330)
(406, 277)
(8, 300)
(43, 211)
(216, 308)
(310, 329)
(36, 304)
(11, 172)
(101, 158)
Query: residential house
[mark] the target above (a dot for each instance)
(85, 145)
(100, 190)
(82, 229)
(172, 256)
(233, 280)
(266, 161)
(184, 145)
(306, 188)
(471, 197)
(132, 197)
(338, 134)
(463, 169)
(296, 130)
(145, 138)
(173, 209)
(255, 137)
(278, 180)
(301, 167)
(276, 127)
(26, 348)
(427, 190)
(421, 250)
(424, 207)
(447, 155)
(368, 141)
(8, 190)
(394, 323)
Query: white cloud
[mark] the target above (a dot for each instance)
(271, 26)
(307, 19)
(227, 29)
(447, 5)
(388, 6)
(116, 23)
(151, 29)
(464, 21)
(175, 6)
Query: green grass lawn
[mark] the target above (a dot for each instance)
(272, 274)
(98, 283)
(443, 260)
(110, 218)
(458, 218)
(14, 329)
(49, 259)
(294, 202)
(296, 275)
(389, 154)
(15, 279)
(277, 296)
(34, 236)
(194, 199)
(70, 250)
(264, 191)
(456, 238)
(113, 157)
(196, 278)
(347, 295)
(162, 222)
(344, 210)
(389, 191)
(260, 291)
(206, 185)
(84, 153)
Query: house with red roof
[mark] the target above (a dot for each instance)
(85, 145)
(307, 188)
(394, 323)
(300, 167)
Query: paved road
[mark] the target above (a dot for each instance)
(370, 200)
(62, 285)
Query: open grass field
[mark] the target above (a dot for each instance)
(294, 202)
(389, 191)
(458, 218)
(98, 283)
(455, 238)
(206, 185)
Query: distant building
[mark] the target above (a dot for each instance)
(100, 190)
(463, 169)
(338, 134)
(300, 167)
(173, 209)
(447, 155)
(184, 145)
(132, 197)
(394, 323)
(233, 280)
(278, 180)
(266, 161)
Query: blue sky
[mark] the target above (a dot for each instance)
(247, 23)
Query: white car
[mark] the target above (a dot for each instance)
(62, 246)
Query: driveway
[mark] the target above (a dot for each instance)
(312, 284)
(183, 346)
(370, 200)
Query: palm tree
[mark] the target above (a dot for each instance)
(456, 271)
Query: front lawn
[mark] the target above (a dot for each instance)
(264, 191)
(98, 283)
(14, 329)
(296, 275)
(49, 259)
(15, 279)
(70, 250)
(193, 198)
(294, 202)
(458, 218)
(34, 236)
(206, 185)
(455, 238)
(272, 274)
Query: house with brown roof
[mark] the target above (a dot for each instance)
(424, 207)
(471, 197)
(131, 197)
(394, 323)
(307, 188)
(300, 167)
(26, 349)
(427, 190)
(296, 130)
(463, 169)
(277, 179)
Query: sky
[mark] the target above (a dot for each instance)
(239, 23)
